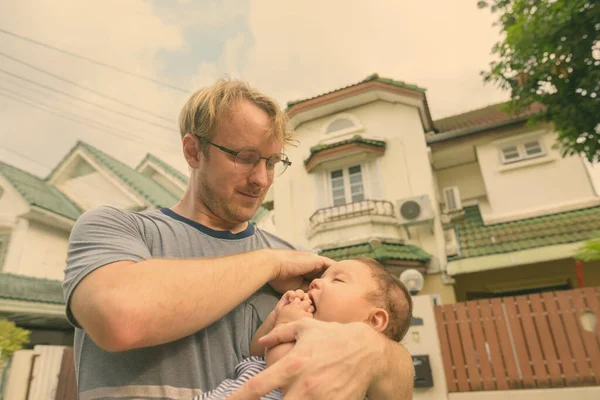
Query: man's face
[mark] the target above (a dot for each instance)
(340, 295)
(231, 194)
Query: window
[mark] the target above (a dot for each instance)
(347, 185)
(522, 151)
(339, 125)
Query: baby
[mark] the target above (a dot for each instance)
(355, 290)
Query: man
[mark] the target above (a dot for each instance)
(165, 302)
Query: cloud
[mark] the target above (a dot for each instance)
(317, 46)
(288, 51)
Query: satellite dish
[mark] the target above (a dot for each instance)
(413, 280)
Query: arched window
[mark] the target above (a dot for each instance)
(339, 125)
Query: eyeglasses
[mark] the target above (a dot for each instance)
(249, 157)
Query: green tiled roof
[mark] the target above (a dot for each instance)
(478, 240)
(166, 167)
(25, 288)
(370, 78)
(37, 192)
(382, 253)
(150, 190)
(355, 139)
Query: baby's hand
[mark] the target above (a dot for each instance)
(298, 308)
(287, 298)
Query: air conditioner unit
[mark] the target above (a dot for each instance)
(415, 210)
(452, 199)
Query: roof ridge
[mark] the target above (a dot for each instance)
(372, 77)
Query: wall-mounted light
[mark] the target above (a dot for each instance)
(588, 321)
(413, 280)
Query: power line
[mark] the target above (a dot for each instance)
(50, 88)
(23, 156)
(100, 63)
(60, 78)
(84, 121)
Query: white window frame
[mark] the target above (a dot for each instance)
(346, 177)
(520, 146)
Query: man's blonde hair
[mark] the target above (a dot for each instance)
(201, 113)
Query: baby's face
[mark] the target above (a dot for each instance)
(340, 295)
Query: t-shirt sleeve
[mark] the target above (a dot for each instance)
(99, 237)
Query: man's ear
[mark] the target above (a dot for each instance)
(191, 150)
(379, 319)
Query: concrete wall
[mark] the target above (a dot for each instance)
(467, 177)
(41, 251)
(433, 285)
(594, 175)
(423, 340)
(532, 184)
(581, 393)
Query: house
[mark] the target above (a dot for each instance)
(36, 217)
(480, 203)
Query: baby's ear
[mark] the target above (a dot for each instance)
(379, 319)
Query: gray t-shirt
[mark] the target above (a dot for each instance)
(188, 366)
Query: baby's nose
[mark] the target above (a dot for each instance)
(316, 283)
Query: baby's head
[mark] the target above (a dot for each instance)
(360, 289)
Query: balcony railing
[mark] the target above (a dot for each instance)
(350, 210)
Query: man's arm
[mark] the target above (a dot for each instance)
(397, 377)
(127, 305)
(125, 299)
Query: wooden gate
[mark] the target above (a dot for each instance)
(534, 341)
(67, 382)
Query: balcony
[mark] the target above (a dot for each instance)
(353, 221)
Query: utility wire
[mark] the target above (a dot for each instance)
(79, 109)
(60, 78)
(83, 120)
(25, 157)
(50, 88)
(100, 63)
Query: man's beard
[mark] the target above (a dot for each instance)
(228, 212)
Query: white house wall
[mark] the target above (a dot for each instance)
(404, 171)
(534, 184)
(11, 204)
(466, 177)
(43, 252)
(93, 190)
(594, 175)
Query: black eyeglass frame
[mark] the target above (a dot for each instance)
(234, 153)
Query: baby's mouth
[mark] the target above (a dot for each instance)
(313, 302)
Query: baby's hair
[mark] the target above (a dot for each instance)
(393, 295)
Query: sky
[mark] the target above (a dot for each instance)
(290, 50)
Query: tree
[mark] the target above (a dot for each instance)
(12, 338)
(590, 251)
(550, 54)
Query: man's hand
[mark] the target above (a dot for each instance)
(328, 361)
(296, 269)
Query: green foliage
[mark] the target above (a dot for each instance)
(550, 54)
(590, 251)
(12, 338)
